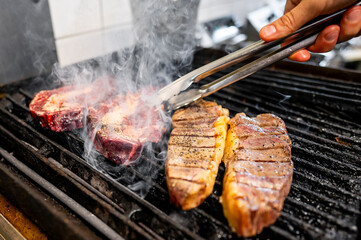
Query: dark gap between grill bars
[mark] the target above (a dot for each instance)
(324, 201)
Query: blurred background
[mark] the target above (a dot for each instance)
(37, 33)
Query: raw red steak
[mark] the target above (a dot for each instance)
(62, 109)
(121, 126)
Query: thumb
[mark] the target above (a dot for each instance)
(304, 12)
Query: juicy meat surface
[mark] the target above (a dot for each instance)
(121, 126)
(258, 172)
(195, 150)
(62, 109)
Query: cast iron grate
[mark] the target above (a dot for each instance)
(324, 202)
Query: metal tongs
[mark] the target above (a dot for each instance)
(177, 94)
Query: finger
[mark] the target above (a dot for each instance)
(290, 22)
(291, 4)
(326, 40)
(300, 56)
(350, 23)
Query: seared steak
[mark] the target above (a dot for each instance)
(62, 109)
(195, 151)
(258, 172)
(121, 126)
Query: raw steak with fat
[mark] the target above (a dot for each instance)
(121, 126)
(62, 109)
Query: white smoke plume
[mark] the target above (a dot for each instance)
(164, 44)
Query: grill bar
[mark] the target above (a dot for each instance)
(280, 107)
(350, 88)
(162, 190)
(331, 202)
(198, 215)
(68, 185)
(314, 139)
(328, 90)
(305, 151)
(26, 195)
(298, 107)
(308, 126)
(324, 202)
(65, 156)
(66, 200)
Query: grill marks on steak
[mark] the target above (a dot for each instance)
(62, 109)
(121, 126)
(195, 150)
(258, 172)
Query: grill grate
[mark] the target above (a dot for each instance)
(324, 201)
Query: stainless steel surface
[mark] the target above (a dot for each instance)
(321, 117)
(27, 44)
(256, 65)
(66, 200)
(196, 75)
(188, 97)
(169, 93)
(8, 231)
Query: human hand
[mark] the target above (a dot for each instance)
(299, 12)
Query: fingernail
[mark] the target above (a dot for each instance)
(353, 16)
(303, 55)
(300, 55)
(268, 30)
(331, 36)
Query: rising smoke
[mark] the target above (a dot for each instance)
(164, 43)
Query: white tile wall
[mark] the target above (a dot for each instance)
(117, 38)
(72, 17)
(213, 9)
(85, 29)
(116, 12)
(85, 46)
(78, 48)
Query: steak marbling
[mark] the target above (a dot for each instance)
(121, 126)
(62, 109)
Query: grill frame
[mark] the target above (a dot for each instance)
(51, 156)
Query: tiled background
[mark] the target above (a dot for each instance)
(85, 29)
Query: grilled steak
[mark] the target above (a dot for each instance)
(62, 109)
(121, 126)
(195, 151)
(258, 172)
